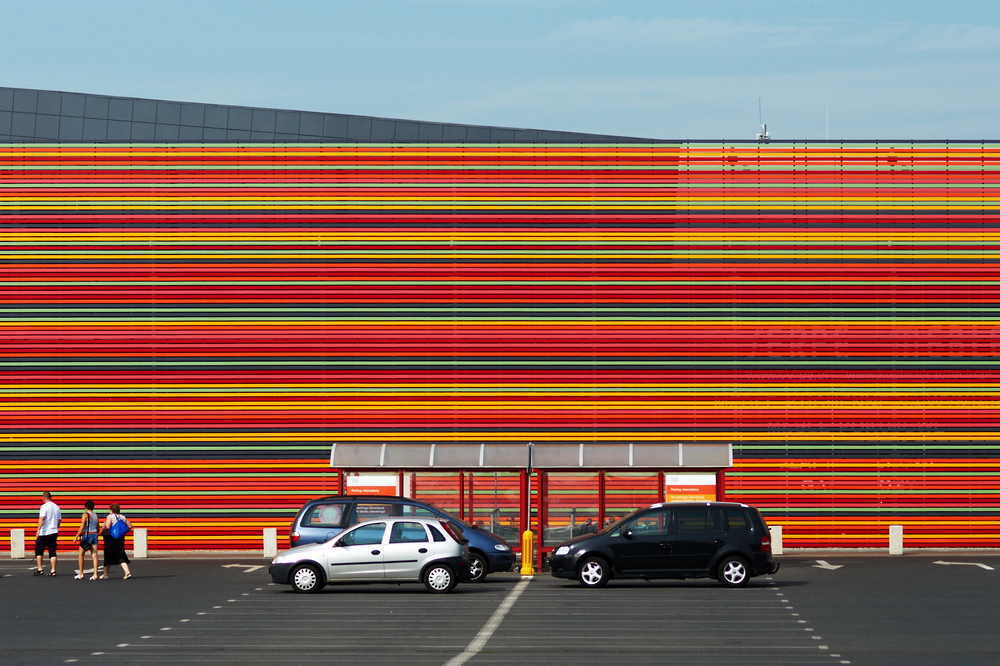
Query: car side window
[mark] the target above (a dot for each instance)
(655, 522)
(370, 511)
(737, 521)
(325, 515)
(410, 511)
(692, 520)
(407, 533)
(364, 535)
(436, 533)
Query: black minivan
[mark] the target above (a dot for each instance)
(722, 540)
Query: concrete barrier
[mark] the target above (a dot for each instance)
(895, 539)
(17, 544)
(140, 542)
(270, 541)
(777, 548)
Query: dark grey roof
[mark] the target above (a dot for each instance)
(29, 116)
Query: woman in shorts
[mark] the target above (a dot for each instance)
(87, 536)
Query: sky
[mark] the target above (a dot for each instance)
(668, 69)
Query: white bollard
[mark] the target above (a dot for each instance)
(270, 541)
(895, 539)
(17, 544)
(140, 542)
(777, 548)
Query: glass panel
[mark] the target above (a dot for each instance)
(692, 520)
(628, 491)
(650, 524)
(371, 510)
(365, 535)
(410, 511)
(572, 506)
(495, 503)
(737, 521)
(325, 515)
(407, 533)
(437, 488)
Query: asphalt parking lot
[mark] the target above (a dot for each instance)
(828, 608)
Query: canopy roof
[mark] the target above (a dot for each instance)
(518, 456)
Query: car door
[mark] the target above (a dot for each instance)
(699, 533)
(408, 548)
(357, 554)
(643, 546)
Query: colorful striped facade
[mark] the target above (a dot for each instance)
(188, 327)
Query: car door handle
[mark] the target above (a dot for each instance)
(422, 550)
(719, 542)
(376, 552)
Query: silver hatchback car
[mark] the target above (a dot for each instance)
(385, 550)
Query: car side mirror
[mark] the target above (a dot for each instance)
(627, 534)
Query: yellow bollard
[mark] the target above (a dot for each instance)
(528, 553)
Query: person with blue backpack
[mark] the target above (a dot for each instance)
(116, 526)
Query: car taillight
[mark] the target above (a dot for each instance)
(451, 532)
(765, 544)
(293, 537)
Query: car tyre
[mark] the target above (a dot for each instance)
(733, 571)
(478, 567)
(593, 572)
(439, 578)
(306, 579)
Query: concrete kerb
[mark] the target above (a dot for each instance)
(884, 552)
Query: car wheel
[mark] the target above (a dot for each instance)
(439, 578)
(593, 572)
(306, 579)
(477, 568)
(734, 572)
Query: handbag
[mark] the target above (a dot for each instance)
(118, 529)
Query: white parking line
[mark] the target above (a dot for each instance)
(473, 648)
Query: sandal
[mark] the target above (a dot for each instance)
(127, 576)
(52, 573)
(80, 577)
(38, 572)
(93, 578)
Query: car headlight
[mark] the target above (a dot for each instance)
(501, 546)
(562, 550)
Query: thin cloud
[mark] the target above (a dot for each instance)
(672, 30)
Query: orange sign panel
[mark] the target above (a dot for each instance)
(373, 484)
(690, 487)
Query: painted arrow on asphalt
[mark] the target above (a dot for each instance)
(968, 564)
(823, 564)
(248, 567)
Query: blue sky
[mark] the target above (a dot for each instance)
(685, 70)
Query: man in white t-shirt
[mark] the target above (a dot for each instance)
(49, 516)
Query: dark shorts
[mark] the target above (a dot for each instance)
(48, 541)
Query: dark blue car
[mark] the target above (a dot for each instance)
(323, 518)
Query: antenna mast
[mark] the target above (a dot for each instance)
(763, 137)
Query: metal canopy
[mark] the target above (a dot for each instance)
(512, 456)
